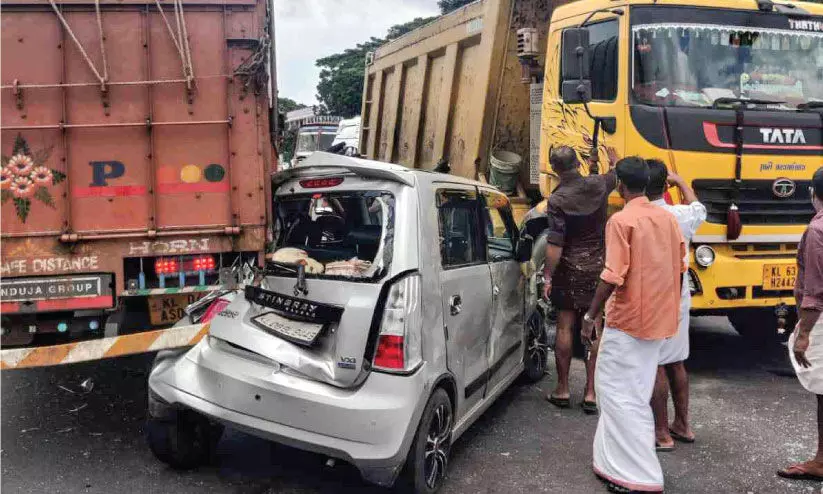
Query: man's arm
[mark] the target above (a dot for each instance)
(688, 194)
(811, 305)
(555, 237)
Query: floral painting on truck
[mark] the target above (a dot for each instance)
(24, 177)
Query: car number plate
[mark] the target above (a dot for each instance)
(779, 276)
(303, 333)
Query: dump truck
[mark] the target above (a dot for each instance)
(729, 96)
(137, 145)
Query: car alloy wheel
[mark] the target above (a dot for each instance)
(438, 441)
(537, 347)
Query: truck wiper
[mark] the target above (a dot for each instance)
(811, 105)
(732, 101)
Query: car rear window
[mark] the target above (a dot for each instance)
(340, 234)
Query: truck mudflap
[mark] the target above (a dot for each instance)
(115, 346)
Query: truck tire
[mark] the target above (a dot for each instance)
(760, 325)
(185, 442)
(427, 463)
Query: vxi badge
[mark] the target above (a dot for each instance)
(783, 187)
(782, 136)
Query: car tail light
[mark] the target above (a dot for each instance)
(320, 183)
(668, 198)
(165, 266)
(215, 308)
(398, 343)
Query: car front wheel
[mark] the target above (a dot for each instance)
(537, 346)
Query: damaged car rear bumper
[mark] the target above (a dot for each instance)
(369, 426)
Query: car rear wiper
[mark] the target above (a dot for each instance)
(732, 101)
(811, 105)
(291, 268)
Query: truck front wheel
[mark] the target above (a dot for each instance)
(760, 325)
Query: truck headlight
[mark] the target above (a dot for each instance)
(704, 256)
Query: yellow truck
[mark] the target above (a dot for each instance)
(728, 94)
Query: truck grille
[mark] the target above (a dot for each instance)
(756, 202)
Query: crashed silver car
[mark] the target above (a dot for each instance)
(390, 315)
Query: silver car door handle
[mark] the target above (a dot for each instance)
(455, 304)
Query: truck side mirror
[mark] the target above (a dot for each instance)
(576, 83)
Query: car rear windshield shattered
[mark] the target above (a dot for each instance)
(335, 235)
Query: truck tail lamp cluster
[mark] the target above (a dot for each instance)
(166, 266)
(398, 343)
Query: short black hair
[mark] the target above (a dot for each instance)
(817, 183)
(563, 159)
(634, 173)
(657, 177)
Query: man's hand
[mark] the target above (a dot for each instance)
(587, 331)
(674, 179)
(801, 344)
(547, 287)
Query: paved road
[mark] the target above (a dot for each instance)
(749, 422)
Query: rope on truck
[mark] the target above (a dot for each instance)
(102, 348)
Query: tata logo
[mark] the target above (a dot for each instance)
(783, 187)
(782, 136)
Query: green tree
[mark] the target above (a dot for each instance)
(286, 105)
(340, 90)
(447, 6)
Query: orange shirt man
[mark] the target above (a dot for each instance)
(641, 281)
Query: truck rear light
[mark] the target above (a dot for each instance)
(668, 198)
(165, 266)
(320, 183)
(204, 263)
(398, 343)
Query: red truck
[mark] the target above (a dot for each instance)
(137, 144)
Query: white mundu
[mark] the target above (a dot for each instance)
(689, 218)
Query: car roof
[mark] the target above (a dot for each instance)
(320, 161)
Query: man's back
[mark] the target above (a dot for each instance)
(645, 260)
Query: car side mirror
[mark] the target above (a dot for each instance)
(524, 248)
(576, 86)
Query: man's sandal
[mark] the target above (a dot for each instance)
(798, 472)
(559, 402)
(680, 437)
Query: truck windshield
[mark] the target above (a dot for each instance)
(344, 234)
(694, 64)
(312, 140)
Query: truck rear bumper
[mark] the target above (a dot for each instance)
(736, 280)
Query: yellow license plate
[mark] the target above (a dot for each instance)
(779, 276)
(168, 309)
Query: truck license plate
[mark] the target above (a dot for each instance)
(302, 333)
(168, 309)
(779, 276)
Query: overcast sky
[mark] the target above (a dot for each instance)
(306, 30)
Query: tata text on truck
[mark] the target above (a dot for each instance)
(728, 95)
(136, 152)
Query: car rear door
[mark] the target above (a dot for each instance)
(466, 290)
(508, 287)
